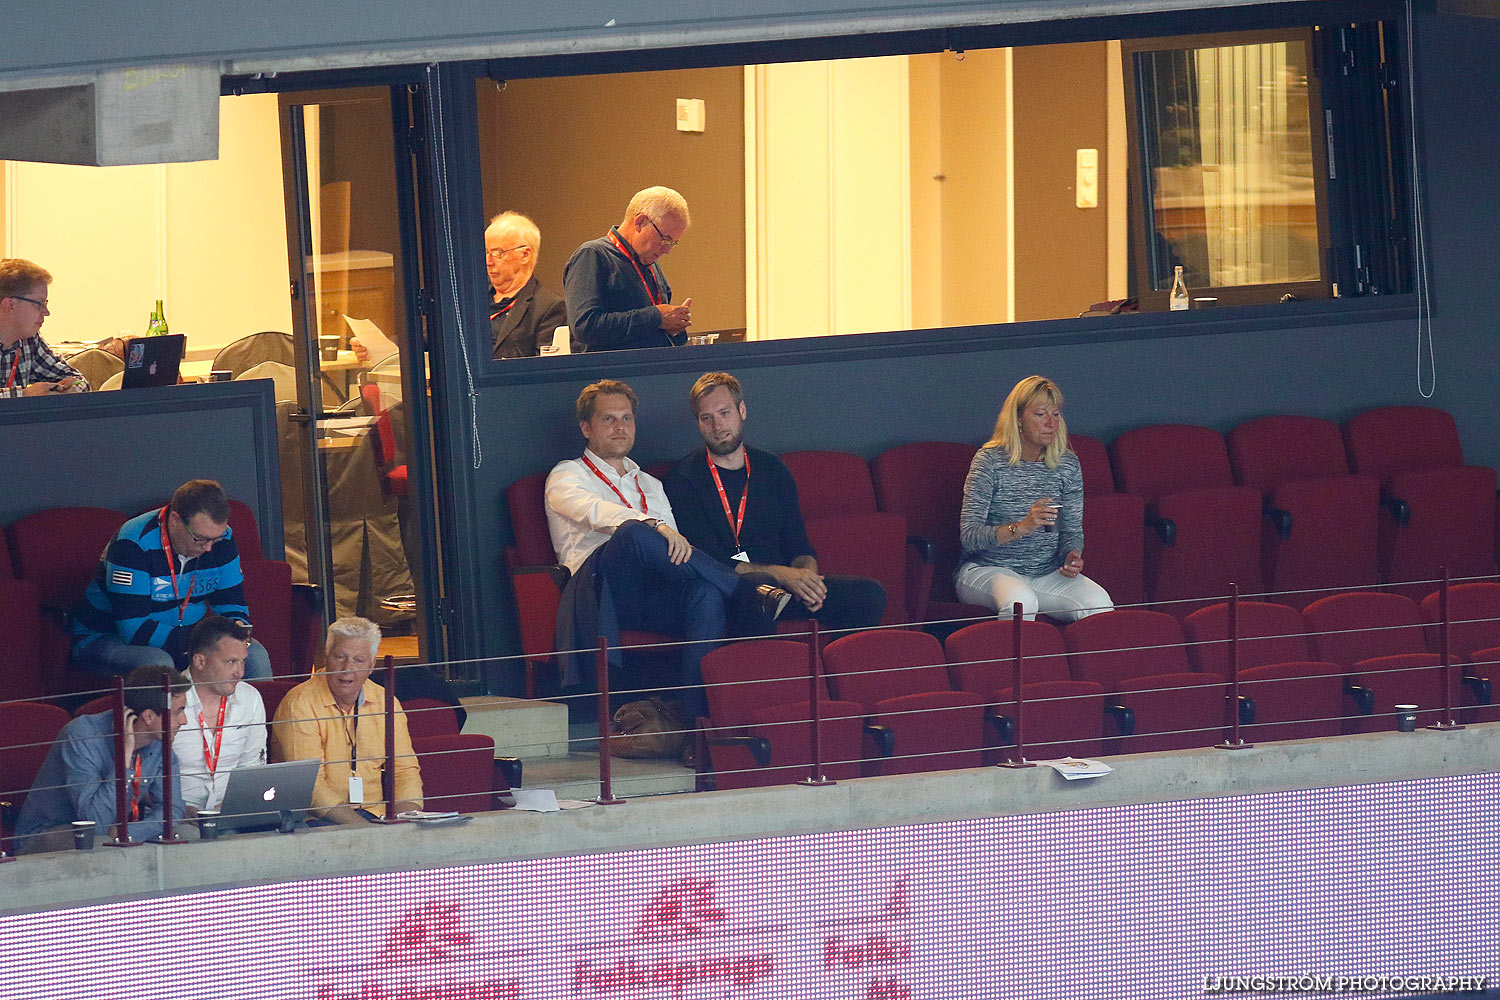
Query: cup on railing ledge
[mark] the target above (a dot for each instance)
(208, 824)
(701, 339)
(221, 375)
(83, 834)
(288, 822)
(1406, 718)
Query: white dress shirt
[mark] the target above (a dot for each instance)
(244, 742)
(583, 511)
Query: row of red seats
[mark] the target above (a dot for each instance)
(1173, 513)
(47, 559)
(458, 770)
(1127, 681)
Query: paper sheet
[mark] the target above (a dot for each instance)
(1073, 768)
(379, 345)
(542, 800)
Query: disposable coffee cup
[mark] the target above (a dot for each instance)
(1406, 718)
(83, 834)
(208, 824)
(330, 347)
(221, 375)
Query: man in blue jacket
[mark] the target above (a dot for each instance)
(162, 573)
(77, 779)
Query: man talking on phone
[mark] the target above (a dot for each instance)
(77, 779)
(27, 365)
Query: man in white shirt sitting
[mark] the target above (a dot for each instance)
(226, 719)
(612, 526)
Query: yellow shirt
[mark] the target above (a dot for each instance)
(310, 725)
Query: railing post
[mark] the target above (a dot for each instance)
(122, 807)
(1018, 757)
(606, 780)
(168, 765)
(1234, 742)
(388, 777)
(1447, 723)
(814, 714)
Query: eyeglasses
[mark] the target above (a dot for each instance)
(666, 241)
(497, 254)
(206, 539)
(39, 303)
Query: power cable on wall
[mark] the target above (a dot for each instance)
(1419, 238)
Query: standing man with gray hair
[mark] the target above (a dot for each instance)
(618, 297)
(523, 315)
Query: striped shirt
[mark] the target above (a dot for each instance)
(996, 492)
(33, 361)
(132, 596)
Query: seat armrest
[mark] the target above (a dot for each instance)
(1480, 687)
(884, 737)
(1124, 718)
(759, 746)
(8, 813)
(1282, 519)
(1165, 527)
(511, 768)
(924, 548)
(1364, 698)
(1247, 710)
(1400, 509)
(559, 574)
(1005, 728)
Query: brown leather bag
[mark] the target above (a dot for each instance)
(649, 728)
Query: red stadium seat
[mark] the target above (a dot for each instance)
(1113, 527)
(430, 717)
(1473, 637)
(924, 482)
(7, 567)
(392, 475)
(1378, 638)
(899, 678)
(837, 498)
(272, 691)
(29, 728)
(457, 771)
(58, 551)
(1437, 511)
(1064, 717)
(21, 646)
(1138, 657)
(1206, 530)
(758, 729)
(1295, 695)
(1320, 528)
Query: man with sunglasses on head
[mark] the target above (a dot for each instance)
(617, 295)
(523, 315)
(162, 573)
(27, 365)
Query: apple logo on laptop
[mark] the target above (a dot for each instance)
(269, 794)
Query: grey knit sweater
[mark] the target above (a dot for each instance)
(996, 492)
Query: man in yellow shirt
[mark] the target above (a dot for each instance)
(338, 716)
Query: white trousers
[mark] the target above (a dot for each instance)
(1064, 598)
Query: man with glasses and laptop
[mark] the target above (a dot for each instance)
(617, 295)
(164, 572)
(27, 365)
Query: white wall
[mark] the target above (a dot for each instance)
(209, 238)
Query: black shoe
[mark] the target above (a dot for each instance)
(772, 601)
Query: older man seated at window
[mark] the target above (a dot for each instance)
(338, 716)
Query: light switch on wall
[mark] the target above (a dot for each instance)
(1086, 183)
(690, 114)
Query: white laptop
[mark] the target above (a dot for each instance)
(256, 795)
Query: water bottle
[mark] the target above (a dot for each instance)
(1178, 299)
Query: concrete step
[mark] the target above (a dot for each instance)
(577, 776)
(528, 729)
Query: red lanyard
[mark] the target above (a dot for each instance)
(135, 789)
(212, 760)
(734, 525)
(503, 309)
(15, 366)
(615, 489)
(166, 545)
(650, 286)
